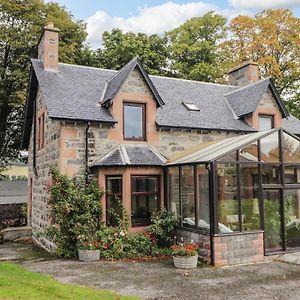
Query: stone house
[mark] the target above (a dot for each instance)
(217, 155)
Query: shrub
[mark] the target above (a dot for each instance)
(76, 212)
(163, 224)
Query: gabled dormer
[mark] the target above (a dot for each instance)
(132, 100)
(257, 102)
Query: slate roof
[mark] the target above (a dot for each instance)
(74, 93)
(291, 124)
(114, 84)
(246, 99)
(131, 155)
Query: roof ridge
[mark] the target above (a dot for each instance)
(196, 81)
(120, 70)
(248, 86)
(80, 66)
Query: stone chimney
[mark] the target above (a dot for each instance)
(244, 74)
(48, 48)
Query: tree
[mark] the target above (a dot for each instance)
(193, 48)
(272, 39)
(21, 25)
(119, 48)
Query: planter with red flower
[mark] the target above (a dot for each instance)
(185, 255)
(88, 250)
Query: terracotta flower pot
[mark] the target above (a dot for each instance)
(185, 262)
(88, 255)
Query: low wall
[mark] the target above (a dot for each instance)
(202, 239)
(229, 249)
(236, 249)
(12, 215)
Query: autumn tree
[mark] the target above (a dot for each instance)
(272, 39)
(193, 48)
(119, 48)
(21, 23)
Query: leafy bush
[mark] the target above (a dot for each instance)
(76, 213)
(116, 242)
(163, 224)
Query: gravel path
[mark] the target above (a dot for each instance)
(160, 280)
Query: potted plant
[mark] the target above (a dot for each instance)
(185, 255)
(88, 250)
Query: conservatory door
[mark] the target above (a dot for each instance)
(273, 220)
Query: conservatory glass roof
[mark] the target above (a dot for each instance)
(207, 152)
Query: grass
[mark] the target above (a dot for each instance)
(17, 283)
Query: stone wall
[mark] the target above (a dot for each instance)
(236, 249)
(45, 158)
(72, 147)
(202, 239)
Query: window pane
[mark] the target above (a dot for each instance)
(141, 208)
(173, 190)
(113, 196)
(232, 157)
(272, 217)
(249, 179)
(292, 174)
(292, 217)
(133, 122)
(114, 185)
(203, 198)
(265, 122)
(188, 196)
(227, 198)
(146, 201)
(270, 148)
(144, 184)
(291, 149)
(249, 153)
(271, 174)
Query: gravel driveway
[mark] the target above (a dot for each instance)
(160, 280)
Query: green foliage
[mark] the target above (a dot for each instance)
(76, 211)
(118, 216)
(21, 25)
(193, 48)
(17, 283)
(273, 219)
(119, 48)
(116, 244)
(162, 226)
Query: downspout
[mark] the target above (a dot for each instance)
(34, 140)
(87, 153)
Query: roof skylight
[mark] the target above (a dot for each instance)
(191, 106)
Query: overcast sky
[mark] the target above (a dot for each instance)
(158, 16)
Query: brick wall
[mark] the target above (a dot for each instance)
(238, 249)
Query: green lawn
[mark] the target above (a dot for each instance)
(17, 283)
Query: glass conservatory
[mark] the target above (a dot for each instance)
(239, 197)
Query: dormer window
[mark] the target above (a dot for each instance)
(191, 106)
(266, 122)
(134, 127)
